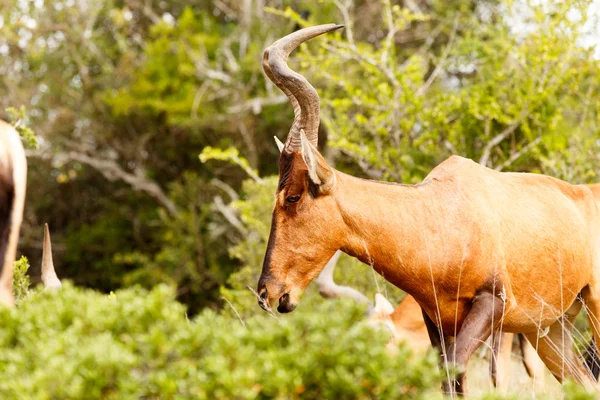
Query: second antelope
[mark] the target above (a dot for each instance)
(13, 183)
(479, 250)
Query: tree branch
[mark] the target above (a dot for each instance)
(515, 156)
(112, 171)
(257, 104)
(496, 140)
(438, 67)
(229, 214)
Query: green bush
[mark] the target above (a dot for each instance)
(80, 344)
(76, 343)
(21, 279)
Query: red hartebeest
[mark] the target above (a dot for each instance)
(479, 250)
(13, 182)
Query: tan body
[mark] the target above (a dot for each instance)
(13, 182)
(443, 237)
(406, 322)
(481, 251)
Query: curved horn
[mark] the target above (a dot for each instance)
(328, 287)
(302, 94)
(49, 277)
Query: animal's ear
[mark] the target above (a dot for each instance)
(382, 305)
(318, 170)
(280, 145)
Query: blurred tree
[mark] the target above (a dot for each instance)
(124, 95)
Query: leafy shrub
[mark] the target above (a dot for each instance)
(21, 279)
(77, 343)
(80, 344)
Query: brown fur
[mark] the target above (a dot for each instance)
(408, 325)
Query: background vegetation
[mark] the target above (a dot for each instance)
(155, 161)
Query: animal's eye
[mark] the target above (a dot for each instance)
(293, 199)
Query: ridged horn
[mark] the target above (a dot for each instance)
(302, 94)
(49, 277)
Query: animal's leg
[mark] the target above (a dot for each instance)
(439, 341)
(533, 364)
(486, 311)
(592, 360)
(591, 298)
(500, 360)
(557, 351)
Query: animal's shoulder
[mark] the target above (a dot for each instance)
(456, 167)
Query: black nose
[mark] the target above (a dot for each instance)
(285, 306)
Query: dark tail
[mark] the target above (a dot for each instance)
(7, 196)
(592, 360)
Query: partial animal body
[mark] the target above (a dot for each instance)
(481, 251)
(13, 182)
(407, 325)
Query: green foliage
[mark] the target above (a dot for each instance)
(191, 254)
(76, 343)
(18, 117)
(230, 154)
(573, 391)
(21, 279)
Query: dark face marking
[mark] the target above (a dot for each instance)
(285, 168)
(266, 269)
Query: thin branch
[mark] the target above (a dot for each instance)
(515, 156)
(229, 214)
(444, 56)
(343, 7)
(353, 53)
(235, 311)
(256, 104)
(496, 140)
(450, 147)
(389, 39)
(226, 188)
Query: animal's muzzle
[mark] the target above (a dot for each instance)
(285, 304)
(263, 299)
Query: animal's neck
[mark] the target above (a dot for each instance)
(384, 223)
